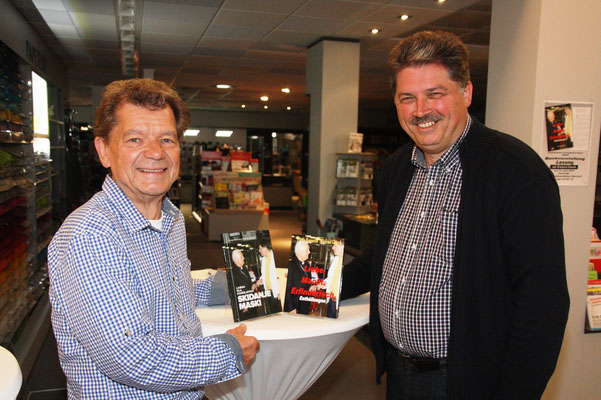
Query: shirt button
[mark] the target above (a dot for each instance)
(413, 246)
(403, 280)
(431, 182)
(423, 214)
(181, 315)
(173, 278)
(396, 314)
(127, 332)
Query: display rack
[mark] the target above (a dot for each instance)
(23, 229)
(354, 174)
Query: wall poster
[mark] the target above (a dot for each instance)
(566, 141)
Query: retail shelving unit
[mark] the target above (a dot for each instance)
(354, 173)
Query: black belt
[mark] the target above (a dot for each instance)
(422, 364)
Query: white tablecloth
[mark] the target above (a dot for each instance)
(10, 375)
(295, 349)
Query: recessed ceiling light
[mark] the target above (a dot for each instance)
(264, 98)
(243, 106)
(224, 133)
(191, 132)
(375, 31)
(288, 108)
(440, 1)
(286, 90)
(223, 86)
(404, 17)
(266, 107)
(274, 134)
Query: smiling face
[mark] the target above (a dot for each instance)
(431, 108)
(142, 151)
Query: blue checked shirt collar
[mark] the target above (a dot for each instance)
(133, 218)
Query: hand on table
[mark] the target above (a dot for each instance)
(249, 344)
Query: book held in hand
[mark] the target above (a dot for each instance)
(251, 274)
(314, 276)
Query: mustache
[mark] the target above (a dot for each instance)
(425, 118)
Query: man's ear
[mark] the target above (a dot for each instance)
(467, 94)
(102, 150)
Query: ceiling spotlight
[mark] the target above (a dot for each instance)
(274, 134)
(286, 90)
(288, 108)
(266, 107)
(375, 31)
(264, 98)
(243, 106)
(404, 17)
(223, 86)
(440, 1)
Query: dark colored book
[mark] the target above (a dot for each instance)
(251, 275)
(314, 276)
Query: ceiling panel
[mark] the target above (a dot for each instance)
(337, 9)
(258, 46)
(96, 26)
(248, 19)
(273, 6)
(312, 25)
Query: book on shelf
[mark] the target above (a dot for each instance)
(251, 274)
(314, 276)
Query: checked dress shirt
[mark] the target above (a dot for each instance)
(416, 284)
(123, 306)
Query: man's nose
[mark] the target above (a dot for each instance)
(154, 149)
(422, 107)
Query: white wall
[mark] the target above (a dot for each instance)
(551, 50)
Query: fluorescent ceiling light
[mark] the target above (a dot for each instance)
(264, 98)
(375, 31)
(243, 106)
(191, 132)
(404, 17)
(223, 86)
(286, 90)
(224, 133)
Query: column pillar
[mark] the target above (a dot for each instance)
(551, 51)
(332, 81)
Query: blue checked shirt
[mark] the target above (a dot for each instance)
(123, 306)
(416, 285)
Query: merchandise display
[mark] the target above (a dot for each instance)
(314, 276)
(251, 275)
(25, 205)
(354, 174)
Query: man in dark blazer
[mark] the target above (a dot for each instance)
(244, 281)
(467, 277)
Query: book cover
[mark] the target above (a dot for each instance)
(314, 276)
(251, 274)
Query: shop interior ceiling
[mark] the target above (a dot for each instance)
(257, 46)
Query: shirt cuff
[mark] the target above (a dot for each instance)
(231, 342)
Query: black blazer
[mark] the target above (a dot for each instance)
(510, 299)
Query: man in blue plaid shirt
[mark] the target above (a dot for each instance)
(122, 296)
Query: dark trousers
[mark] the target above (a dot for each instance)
(405, 383)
